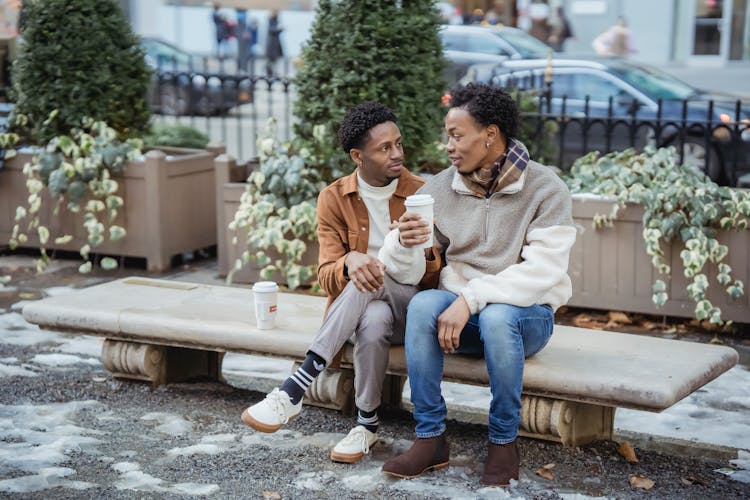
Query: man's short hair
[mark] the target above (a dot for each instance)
(488, 105)
(358, 122)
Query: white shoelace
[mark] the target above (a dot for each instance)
(276, 400)
(358, 436)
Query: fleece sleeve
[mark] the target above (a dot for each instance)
(543, 267)
(405, 265)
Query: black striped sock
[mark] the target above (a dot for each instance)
(368, 419)
(297, 384)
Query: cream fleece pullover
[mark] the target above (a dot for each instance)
(512, 248)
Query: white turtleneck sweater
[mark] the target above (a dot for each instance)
(376, 201)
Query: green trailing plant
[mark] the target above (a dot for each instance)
(361, 50)
(679, 204)
(175, 135)
(277, 210)
(79, 57)
(76, 170)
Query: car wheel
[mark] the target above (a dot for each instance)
(173, 100)
(695, 157)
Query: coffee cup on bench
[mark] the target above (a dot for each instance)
(265, 293)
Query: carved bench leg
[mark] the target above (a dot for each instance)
(159, 364)
(568, 422)
(332, 389)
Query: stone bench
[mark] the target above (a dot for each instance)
(166, 331)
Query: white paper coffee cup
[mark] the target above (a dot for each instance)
(422, 204)
(265, 296)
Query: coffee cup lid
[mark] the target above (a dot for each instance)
(265, 286)
(419, 199)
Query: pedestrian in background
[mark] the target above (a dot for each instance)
(560, 31)
(616, 41)
(539, 15)
(221, 28)
(274, 49)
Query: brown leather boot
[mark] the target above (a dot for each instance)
(424, 454)
(503, 461)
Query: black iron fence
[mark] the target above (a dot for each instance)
(710, 136)
(231, 103)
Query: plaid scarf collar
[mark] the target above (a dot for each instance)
(506, 170)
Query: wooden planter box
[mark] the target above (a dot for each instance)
(611, 270)
(230, 184)
(169, 207)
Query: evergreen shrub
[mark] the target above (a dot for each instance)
(387, 51)
(81, 58)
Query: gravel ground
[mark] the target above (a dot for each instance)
(128, 439)
(294, 464)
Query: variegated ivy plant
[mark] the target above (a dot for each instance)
(77, 171)
(277, 210)
(678, 203)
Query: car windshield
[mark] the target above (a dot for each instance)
(526, 45)
(654, 83)
(165, 55)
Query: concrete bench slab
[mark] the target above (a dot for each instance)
(162, 331)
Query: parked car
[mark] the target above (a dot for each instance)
(464, 46)
(610, 104)
(187, 84)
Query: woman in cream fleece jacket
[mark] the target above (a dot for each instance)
(504, 228)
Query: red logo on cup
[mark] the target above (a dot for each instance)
(272, 308)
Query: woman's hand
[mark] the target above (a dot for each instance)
(451, 323)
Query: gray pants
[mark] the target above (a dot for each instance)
(377, 320)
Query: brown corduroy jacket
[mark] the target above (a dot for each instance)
(344, 226)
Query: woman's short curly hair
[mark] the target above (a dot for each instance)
(358, 122)
(488, 105)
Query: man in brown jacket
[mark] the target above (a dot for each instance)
(354, 215)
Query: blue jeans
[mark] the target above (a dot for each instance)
(504, 334)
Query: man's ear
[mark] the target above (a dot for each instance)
(356, 155)
(494, 135)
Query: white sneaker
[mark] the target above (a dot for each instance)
(354, 446)
(272, 413)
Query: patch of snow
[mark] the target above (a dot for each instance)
(172, 425)
(63, 360)
(15, 371)
(196, 449)
(132, 478)
(48, 477)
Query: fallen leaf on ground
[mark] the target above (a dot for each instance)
(271, 495)
(545, 473)
(619, 317)
(716, 340)
(628, 452)
(690, 480)
(639, 481)
(99, 379)
(651, 325)
(27, 295)
(586, 321)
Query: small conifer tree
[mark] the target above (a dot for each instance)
(383, 50)
(81, 58)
